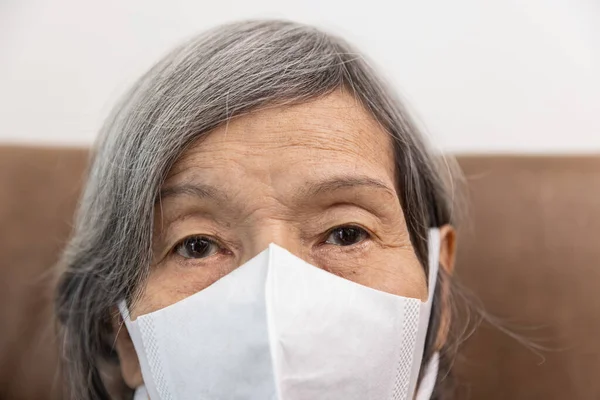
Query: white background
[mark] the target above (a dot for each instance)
(481, 75)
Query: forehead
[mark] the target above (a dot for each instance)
(333, 134)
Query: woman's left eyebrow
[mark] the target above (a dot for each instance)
(313, 189)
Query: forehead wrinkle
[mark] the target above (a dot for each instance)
(311, 136)
(305, 150)
(330, 120)
(337, 137)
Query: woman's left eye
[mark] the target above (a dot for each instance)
(346, 235)
(197, 247)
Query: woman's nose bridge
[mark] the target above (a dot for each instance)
(278, 233)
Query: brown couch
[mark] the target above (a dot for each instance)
(530, 252)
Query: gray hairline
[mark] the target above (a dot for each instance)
(226, 72)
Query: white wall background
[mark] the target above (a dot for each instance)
(483, 76)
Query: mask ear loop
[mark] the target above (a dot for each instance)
(136, 337)
(429, 380)
(429, 377)
(141, 393)
(124, 312)
(434, 263)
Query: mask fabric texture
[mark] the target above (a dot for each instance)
(280, 328)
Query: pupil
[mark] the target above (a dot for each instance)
(197, 246)
(348, 235)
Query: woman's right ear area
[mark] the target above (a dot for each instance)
(128, 359)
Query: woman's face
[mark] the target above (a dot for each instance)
(317, 179)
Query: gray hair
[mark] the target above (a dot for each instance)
(221, 74)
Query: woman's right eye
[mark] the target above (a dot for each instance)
(197, 247)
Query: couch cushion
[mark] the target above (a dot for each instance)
(38, 193)
(531, 253)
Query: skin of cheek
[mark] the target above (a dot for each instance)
(386, 262)
(391, 267)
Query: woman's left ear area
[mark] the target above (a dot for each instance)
(128, 359)
(447, 248)
(447, 260)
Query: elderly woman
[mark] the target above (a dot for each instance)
(261, 220)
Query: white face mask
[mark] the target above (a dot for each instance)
(279, 328)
